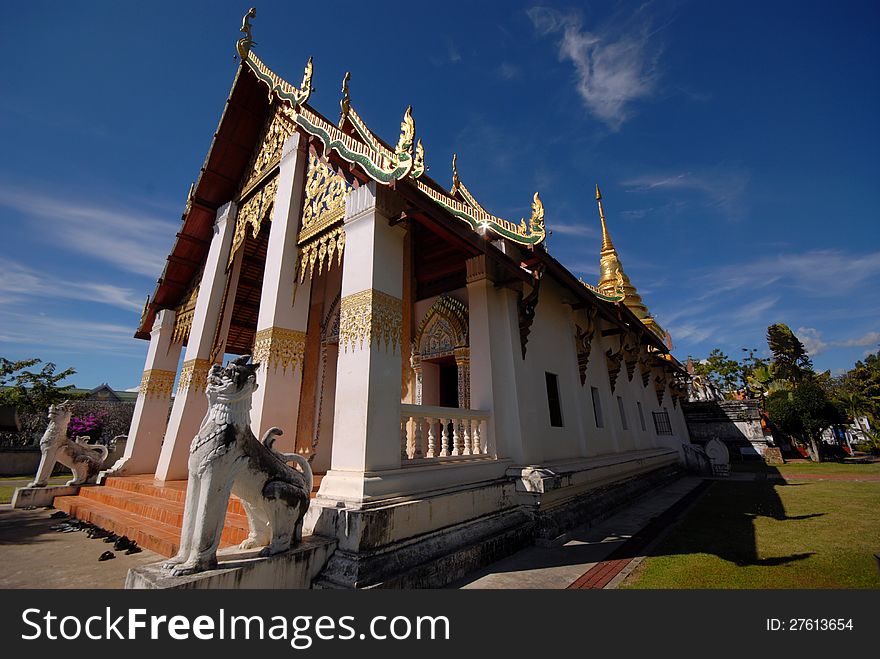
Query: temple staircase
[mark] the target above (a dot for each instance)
(148, 511)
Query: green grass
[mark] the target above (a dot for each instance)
(30, 477)
(7, 491)
(818, 468)
(759, 534)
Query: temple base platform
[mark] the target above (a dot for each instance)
(38, 497)
(148, 511)
(295, 568)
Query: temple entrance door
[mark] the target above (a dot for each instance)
(325, 401)
(448, 372)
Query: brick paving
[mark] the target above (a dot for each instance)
(601, 574)
(588, 552)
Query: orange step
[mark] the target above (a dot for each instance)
(148, 511)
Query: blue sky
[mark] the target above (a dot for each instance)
(736, 147)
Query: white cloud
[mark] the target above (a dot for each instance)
(571, 229)
(67, 334)
(812, 340)
(508, 71)
(723, 188)
(132, 241)
(815, 345)
(869, 339)
(454, 55)
(614, 65)
(808, 271)
(19, 282)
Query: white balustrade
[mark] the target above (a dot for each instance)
(441, 434)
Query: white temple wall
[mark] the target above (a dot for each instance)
(604, 440)
(551, 349)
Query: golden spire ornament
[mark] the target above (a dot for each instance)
(245, 44)
(612, 279)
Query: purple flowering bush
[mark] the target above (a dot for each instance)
(91, 424)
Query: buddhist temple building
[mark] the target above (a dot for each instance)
(457, 390)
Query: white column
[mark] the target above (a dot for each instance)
(366, 425)
(190, 403)
(154, 398)
(284, 307)
(494, 353)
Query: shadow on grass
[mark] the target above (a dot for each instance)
(723, 522)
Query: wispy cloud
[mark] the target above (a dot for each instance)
(508, 71)
(130, 240)
(572, 229)
(807, 271)
(721, 187)
(68, 334)
(615, 64)
(19, 282)
(816, 345)
(453, 53)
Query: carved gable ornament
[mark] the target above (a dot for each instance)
(443, 329)
(260, 183)
(613, 361)
(584, 342)
(322, 234)
(527, 306)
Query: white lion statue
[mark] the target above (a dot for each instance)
(225, 458)
(84, 460)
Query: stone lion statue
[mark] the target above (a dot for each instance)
(225, 458)
(84, 460)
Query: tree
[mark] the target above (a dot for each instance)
(32, 391)
(719, 369)
(790, 359)
(803, 412)
(864, 381)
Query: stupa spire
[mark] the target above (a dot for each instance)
(610, 266)
(606, 239)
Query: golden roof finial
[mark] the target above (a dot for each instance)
(606, 238)
(246, 42)
(456, 182)
(305, 88)
(345, 103)
(407, 132)
(612, 279)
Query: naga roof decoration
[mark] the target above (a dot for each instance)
(381, 163)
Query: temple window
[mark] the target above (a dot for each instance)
(597, 407)
(553, 399)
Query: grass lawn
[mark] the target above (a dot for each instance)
(7, 491)
(760, 534)
(818, 468)
(30, 477)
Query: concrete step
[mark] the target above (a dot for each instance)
(150, 534)
(148, 511)
(154, 508)
(173, 491)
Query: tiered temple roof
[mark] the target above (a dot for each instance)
(353, 152)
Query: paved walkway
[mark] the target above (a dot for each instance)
(607, 548)
(32, 555)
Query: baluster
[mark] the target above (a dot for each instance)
(417, 440)
(431, 439)
(403, 439)
(457, 446)
(466, 424)
(444, 438)
(478, 439)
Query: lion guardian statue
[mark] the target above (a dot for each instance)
(84, 460)
(225, 458)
